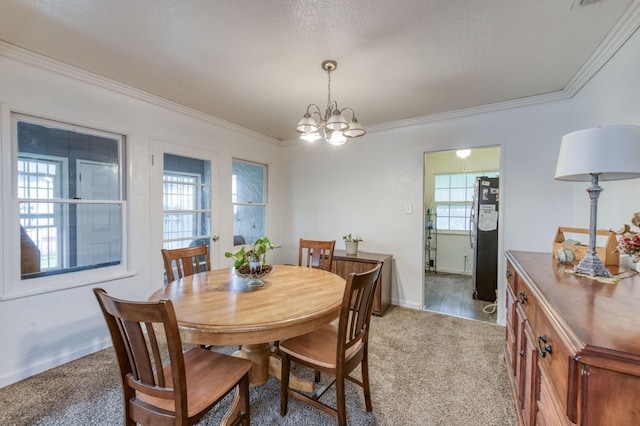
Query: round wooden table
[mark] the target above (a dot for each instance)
(218, 308)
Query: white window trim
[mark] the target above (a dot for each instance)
(469, 203)
(265, 189)
(12, 286)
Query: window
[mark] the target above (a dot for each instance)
(453, 196)
(248, 192)
(187, 201)
(69, 197)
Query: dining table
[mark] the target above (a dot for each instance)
(218, 307)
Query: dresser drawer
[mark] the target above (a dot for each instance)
(553, 358)
(526, 298)
(511, 276)
(549, 411)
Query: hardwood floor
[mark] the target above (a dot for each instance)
(452, 294)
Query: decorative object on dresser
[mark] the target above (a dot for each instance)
(344, 264)
(629, 242)
(607, 252)
(599, 153)
(351, 243)
(572, 344)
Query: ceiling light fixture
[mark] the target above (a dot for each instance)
(333, 126)
(463, 153)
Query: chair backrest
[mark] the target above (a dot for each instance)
(318, 254)
(131, 325)
(187, 261)
(355, 313)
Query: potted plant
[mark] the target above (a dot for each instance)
(351, 243)
(252, 259)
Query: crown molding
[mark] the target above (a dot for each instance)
(626, 26)
(467, 112)
(31, 58)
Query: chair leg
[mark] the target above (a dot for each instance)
(284, 383)
(341, 403)
(244, 400)
(317, 376)
(365, 382)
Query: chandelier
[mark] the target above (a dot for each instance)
(333, 126)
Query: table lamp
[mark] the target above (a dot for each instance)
(599, 153)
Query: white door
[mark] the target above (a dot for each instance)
(99, 232)
(185, 197)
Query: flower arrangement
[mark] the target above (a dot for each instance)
(629, 241)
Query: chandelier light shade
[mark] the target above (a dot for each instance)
(599, 153)
(332, 125)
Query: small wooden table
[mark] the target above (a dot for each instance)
(218, 308)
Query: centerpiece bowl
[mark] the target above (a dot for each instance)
(254, 275)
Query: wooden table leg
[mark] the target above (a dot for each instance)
(265, 364)
(258, 354)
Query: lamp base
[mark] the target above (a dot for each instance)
(591, 265)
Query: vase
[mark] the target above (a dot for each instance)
(351, 247)
(627, 263)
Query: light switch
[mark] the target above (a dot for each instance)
(408, 209)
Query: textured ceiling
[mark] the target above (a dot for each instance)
(256, 63)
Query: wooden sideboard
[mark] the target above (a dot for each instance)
(572, 344)
(344, 264)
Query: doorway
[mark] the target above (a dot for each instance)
(449, 185)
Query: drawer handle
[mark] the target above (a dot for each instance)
(543, 347)
(523, 297)
(509, 274)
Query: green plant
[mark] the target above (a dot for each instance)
(257, 249)
(349, 239)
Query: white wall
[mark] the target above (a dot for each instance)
(42, 331)
(363, 186)
(611, 97)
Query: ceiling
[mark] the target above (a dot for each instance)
(256, 63)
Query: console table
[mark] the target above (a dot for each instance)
(344, 264)
(572, 344)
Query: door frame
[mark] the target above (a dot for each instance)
(158, 149)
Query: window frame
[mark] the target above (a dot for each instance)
(265, 195)
(468, 204)
(13, 285)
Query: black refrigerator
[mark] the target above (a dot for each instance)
(484, 238)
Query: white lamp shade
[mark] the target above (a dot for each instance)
(355, 129)
(612, 152)
(337, 121)
(307, 124)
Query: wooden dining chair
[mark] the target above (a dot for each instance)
(181, 391)
(316, 254)
(335, 349)
(187, 261)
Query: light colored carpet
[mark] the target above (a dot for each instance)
(426, 369)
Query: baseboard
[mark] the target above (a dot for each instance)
(36, 368)
(405, 304)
